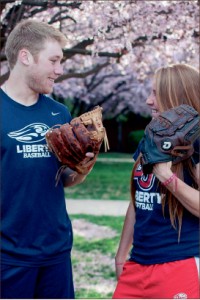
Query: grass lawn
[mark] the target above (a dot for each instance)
(105, 246)
(93, 259)
(107, 181)
(110, 221)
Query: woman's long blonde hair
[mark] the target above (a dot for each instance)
(175, 85)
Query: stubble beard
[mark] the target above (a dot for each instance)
(37, 84)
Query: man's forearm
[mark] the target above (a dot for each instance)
(71, 178)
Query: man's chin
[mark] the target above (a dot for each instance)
(47, 91)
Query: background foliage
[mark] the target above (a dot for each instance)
(113, 47)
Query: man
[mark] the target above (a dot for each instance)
(36, 229)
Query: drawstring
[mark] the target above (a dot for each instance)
(59, 173)
(106, 142)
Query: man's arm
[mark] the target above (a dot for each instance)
(71, 178)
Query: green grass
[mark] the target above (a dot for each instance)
(115, 155)
(107, 181)
(91, 294)
(105, 246)
(90, 269)
(110, 221)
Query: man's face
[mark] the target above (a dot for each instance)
(46, 68)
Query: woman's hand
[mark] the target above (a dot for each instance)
(118, 269)
(163, 170)
(187, 195)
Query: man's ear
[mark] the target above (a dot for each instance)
(25, 57)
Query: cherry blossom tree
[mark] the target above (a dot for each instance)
(113, 47)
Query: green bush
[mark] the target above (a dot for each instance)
(134, 138)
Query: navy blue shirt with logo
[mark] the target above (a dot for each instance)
(36, 229)
(155, 240)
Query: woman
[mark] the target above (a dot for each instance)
(161, 222)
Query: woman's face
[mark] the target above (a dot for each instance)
(152, 102)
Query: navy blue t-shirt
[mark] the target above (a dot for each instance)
(155, 240)
(36, 229)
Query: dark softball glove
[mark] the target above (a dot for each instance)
(170, 137)
(71, 141)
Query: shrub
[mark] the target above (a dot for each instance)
(134, 138)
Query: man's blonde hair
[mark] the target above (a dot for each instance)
(32, 35)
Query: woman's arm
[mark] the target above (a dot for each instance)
(125, 240)
(188, 196)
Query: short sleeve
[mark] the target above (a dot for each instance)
(196, 154)
(137, 152)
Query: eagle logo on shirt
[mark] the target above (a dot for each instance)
(31, 133)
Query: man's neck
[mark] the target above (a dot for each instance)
(19, 92)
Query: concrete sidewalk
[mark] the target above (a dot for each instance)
(97, 207)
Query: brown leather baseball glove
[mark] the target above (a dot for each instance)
(71, 141)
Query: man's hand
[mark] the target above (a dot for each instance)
(71, 178)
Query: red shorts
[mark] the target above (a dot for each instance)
(172, 280)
